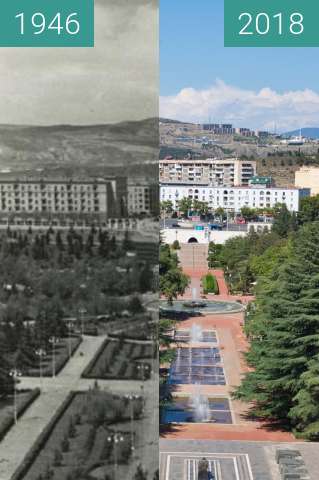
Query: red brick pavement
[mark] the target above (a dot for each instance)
(233, 344)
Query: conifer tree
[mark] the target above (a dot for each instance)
(285, 338)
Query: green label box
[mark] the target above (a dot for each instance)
(271, 23)
(47, 23)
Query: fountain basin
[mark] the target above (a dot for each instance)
(198, 307)
(183, 410)
(197, 366)
(205, 336)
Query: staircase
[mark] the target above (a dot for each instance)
(193, 256)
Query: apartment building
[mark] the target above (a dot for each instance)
(234, 198)
(142, 198)
(61, 198)
(308, 177)
(216, 172)
(219, 128)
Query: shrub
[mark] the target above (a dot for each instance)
(58, 457)
(210, 284)
(65, 445)
(176, 245)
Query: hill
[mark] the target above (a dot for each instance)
(305, 132)
(81, 147)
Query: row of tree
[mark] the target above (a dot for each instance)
(283, 327)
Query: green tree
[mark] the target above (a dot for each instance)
(173, 281)
(184, 206)
(248, 214)
(284, 339)
(284, 223)
(166, 206)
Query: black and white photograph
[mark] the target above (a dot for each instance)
(79, 253)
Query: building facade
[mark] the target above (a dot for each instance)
(219, 128)
(308, 177)
(234, 198)
(216, 172)
(56, 199)
(142, 198)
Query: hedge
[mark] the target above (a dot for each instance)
(210, 284)
(22, 407)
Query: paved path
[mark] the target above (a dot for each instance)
(232, 344)
(193, 256)
(21, 437)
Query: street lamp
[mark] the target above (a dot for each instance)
(82, 312)
(70, 327)
(54, 341)
(115, 440)
(15, 374)
(40, 353)
(143, 367)
(131, 399)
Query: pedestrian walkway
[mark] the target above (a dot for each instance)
(232, 344)
(54, 392)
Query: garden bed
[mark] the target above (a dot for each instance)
(210, 284)
(76, 442)
(61, 358)
(119, 360)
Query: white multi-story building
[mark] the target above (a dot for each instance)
(216, 172)
(234, 198)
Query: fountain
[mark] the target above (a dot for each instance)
(194, 302)
(200, 405)
(196, 333)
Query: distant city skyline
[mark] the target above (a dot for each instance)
(115, 81)
(253, 87)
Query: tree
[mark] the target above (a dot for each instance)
(248, 213)
(283, 221)
(184, 206)
(140, 474)
(214, 252)
(283, 382)
(309, 209)
(220, 212)
(176, 245)
(166, 206)
(201, 208)
(173, 281)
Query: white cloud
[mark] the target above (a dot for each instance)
(255, 109)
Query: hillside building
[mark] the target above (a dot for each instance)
(308, 177)
(216, 172)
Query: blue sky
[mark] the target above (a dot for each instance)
(193, 56)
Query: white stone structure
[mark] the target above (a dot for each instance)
(234, 198)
